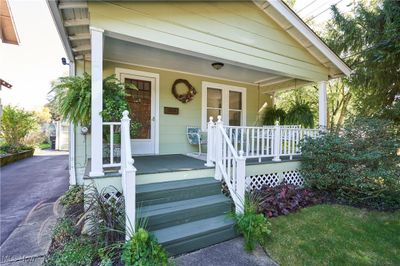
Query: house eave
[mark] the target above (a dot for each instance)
(283, 14)
(76, 42)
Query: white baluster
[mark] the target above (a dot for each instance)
(247, 142)
(111, 143)
(236, 138)
(268, 137)
(258, 145)
(252, 141)
(263, 141)
(241, 138)
(290, 141)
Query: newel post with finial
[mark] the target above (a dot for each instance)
(128, 179)
(210, 142)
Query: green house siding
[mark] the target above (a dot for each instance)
(235, 31)
(172, 131)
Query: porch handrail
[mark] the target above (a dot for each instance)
(229, 165)
(128, 172)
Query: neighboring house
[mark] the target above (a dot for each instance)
(8, 34)
(236, 55)
(8, 31)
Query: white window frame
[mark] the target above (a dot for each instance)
(225, 102)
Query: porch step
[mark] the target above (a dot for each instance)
(163, 192)
(195, 235)
(186, 215)
(178, 212)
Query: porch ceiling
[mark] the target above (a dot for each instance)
(137, 54)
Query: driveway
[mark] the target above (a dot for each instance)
(23, 184)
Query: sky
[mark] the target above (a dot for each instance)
(31, 66)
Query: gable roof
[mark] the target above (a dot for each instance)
(283, 15)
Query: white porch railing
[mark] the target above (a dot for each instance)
(229, 147)
(230, 164)
(112, 145)
(128, 172)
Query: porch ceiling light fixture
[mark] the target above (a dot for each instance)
(217, 65)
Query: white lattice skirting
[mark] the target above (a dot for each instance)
(256, 182)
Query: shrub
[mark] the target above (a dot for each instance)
(79, 251)
(106, 215)
(143, 249)
(253, 225)
(73, 196)
(16, 124)
(63, 232)
(359, 165)
(35, 138)
(6, 148)
(72, 200)
(284, 199)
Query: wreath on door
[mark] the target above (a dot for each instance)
(185, 97)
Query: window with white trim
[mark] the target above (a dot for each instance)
(225, 100)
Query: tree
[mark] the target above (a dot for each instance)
(339, 102)
(369, 41)
(43, 116)
(16, 124)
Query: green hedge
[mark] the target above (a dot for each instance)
(358, 165)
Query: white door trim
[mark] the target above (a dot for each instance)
(156, 77)
(225, 98)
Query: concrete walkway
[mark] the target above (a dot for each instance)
(29, 243)
(229, 253)
(28, 183)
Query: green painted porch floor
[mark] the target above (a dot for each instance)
(154, 164)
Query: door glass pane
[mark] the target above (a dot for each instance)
(140, 107)
(214, 113)
(235, 118)
(235, 100)
(214, 98)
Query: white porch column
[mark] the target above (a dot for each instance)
(322, 104)
(97, 102)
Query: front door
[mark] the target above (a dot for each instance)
(142, 112)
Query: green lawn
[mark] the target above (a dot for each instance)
(335, 235)
(44, 146)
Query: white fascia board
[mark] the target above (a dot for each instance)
(56, 15)
(299, 24)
